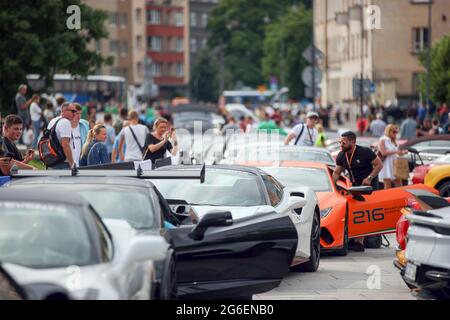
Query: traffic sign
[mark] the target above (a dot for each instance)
(368, 88)
(309, 92)
(307, 54)
(307, 76)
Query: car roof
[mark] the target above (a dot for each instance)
(428, 138)
(112, 181)
(287, 164)
(43, 195)
(241, 168)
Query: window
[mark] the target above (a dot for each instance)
(204, 43)
(180, 70)
(113, 47)
(155, 43)
(179, 45)
(204, 20)
(274, 190)
(193, 19)
(139, 42)
(420, 39)
(441, 143)
(140, 69)
(124, 49)
(193, 45)
(154, 17)
(179, 19)
(123, 20)
(106, 246)
(155, 69)
(139, 15)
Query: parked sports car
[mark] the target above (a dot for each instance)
(428, 266)
(346, 212)
(439, 178)
(49, 236)
(202, 268)
(248, 193)
(419, 172)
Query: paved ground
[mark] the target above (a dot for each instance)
(359, 276)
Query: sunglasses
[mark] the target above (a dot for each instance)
(73, 111)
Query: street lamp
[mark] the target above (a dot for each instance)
(357, 13)
(428, 93)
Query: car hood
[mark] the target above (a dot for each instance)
(236, 212)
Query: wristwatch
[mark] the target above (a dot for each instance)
(370, 178)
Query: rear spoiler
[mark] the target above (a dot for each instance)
(98, 172)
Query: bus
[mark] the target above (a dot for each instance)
(93, 88)
(255, 98)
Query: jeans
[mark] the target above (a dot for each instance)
(36, 132)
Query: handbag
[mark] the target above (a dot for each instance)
(379, 155)
(401, 168)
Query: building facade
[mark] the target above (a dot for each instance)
(383, 45)
(127, 38)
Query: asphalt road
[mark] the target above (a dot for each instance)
(368, 275)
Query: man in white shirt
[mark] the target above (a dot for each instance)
(304, 134)
(134, 138)
(64, 133)
(36, 114)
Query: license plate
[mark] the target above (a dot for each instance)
(410, 271)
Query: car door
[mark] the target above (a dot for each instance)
(251, 256)
(378, 212)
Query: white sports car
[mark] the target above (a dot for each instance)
(248, 192)
(427, 252)
(53, 237)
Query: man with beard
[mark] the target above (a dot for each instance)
(363, 167)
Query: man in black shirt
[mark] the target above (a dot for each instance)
(363, 167)
(12, 131)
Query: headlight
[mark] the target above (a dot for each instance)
(325, 212)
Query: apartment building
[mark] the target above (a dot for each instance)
(386, 50)
(127, 38)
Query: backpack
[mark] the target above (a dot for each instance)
(50, 150)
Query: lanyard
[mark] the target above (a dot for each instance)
(349, 162)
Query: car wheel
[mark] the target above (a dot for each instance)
(344, 250)
(313, 264)
(168, 284)
(444, 189)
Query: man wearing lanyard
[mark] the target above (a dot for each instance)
(304, 134)
(363, 167)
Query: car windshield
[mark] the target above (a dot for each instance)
(186, 120)
(39, 235)
(221, 188)
(275, 153)
(316, 179)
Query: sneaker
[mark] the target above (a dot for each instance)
(356, 246)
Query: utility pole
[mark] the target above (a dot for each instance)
(313, 59)
(361, 88)
(428, 93)
(222, 69)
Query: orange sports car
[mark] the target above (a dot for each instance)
(346, 212)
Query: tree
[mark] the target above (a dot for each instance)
(204, 83)
(239, 25)
(36, 40)
(440, 71)
(285, 41)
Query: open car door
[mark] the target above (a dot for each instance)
(246, 257)
(378, 212)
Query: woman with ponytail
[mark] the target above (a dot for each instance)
(94, 152)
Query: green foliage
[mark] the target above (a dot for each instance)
(36, 40)
(440, 72)
(204, 83)
(285, 41)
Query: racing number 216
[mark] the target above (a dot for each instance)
(368, 216)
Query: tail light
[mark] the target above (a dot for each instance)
(419, 173)
(401, 231)
(413, 204)
(448, 199)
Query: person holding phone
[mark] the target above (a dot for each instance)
(5, 166)
(158, 142)
(12, 131)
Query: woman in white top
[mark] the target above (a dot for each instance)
(36, 118)
(388, 148)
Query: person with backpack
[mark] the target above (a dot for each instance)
(134, 137)
(60, 134)
(94, 151)
(305, 134)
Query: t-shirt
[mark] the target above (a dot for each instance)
(63, 128)
(133, 152)
(23, 113)
(360, 166)
(308, 136)
(11, 147)
(110, 136)
(75, 145)
(159, 154)
(35, 112)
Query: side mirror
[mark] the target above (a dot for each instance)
(9, 289)
(143, 248)
(412, 150)
(295, 202)
(357, 192)
(211, 219)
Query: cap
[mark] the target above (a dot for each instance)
(312, 114)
